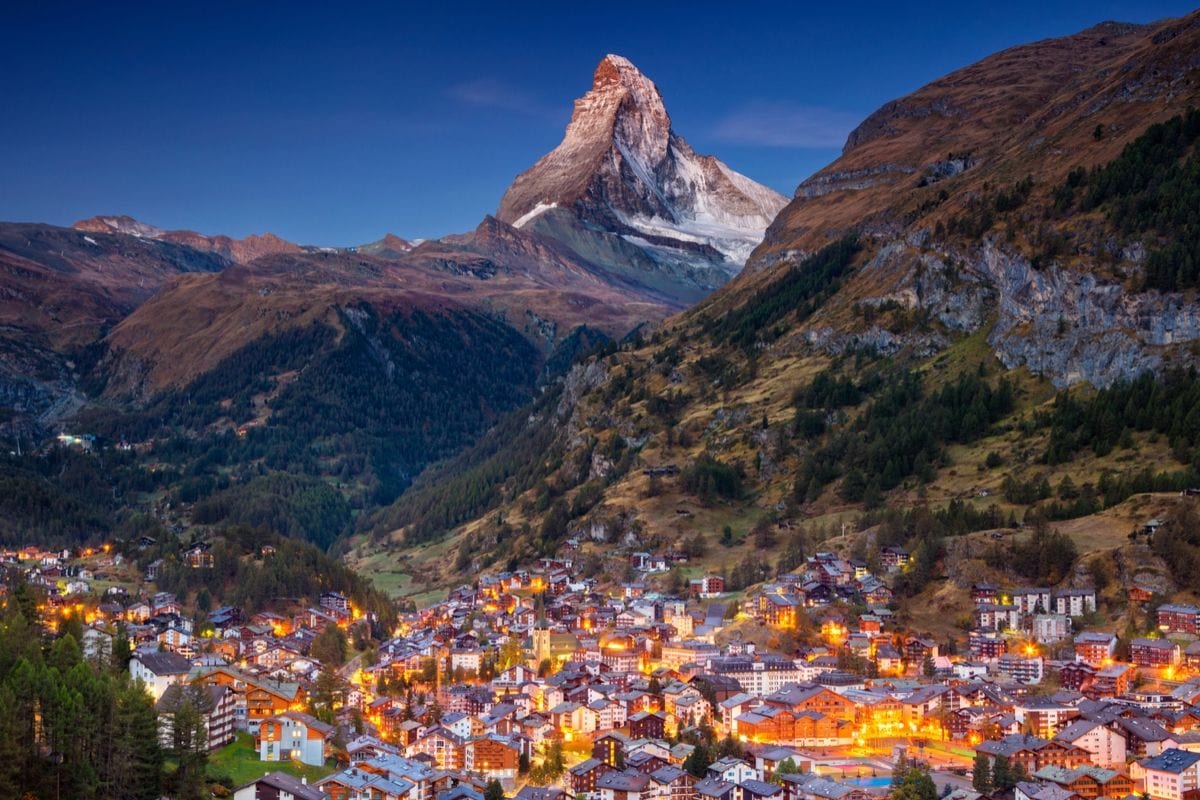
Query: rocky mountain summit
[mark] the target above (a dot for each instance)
(623, 186)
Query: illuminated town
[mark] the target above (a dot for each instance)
(541, 684)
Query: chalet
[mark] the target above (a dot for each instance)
(278, 785)
(199, 556)
(1111, 681)
(492, 756)
(672, 783)
(875, 592)
(646, 761)
(153, 569)
(1154, 653)
(1140, 594)
(1074, 602)
(336, 603)
(1076, 676)
(609, 748)
(1033, 753)
(733, 770)
(778, 610)
(647, 725)
(1143, 737)
(256, 699)
(754, 789)
(358, 782)
(1088, 782)
(628, 785)
(711, 585)
(715, 789)
(159, 671)
(585, 776)
(443, 747)
(1174, 618)
(214, 703)
(984, 593)
(987, 645)
(294, 736)
(917, 648)
(1095, 648)
(893, 558)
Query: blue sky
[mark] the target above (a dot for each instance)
(335, 123)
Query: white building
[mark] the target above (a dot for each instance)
(1051, 628)
(279, 785)
(1168, 775)
(1105, 744)
(1075, 602)
(159, 670)
(759, 677)
(1032, 600)
(294, 736)
(1023, 669)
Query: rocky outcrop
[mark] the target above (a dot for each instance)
(1064, 323)
(922, 165)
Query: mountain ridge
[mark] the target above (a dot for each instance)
(238, 250)
(944, 264)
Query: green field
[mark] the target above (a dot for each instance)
(239, 762)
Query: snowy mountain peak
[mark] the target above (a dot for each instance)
(622, 168)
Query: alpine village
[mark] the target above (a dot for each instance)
(657, 485)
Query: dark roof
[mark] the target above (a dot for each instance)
(623, 781)
(761, 788)
(286, 783)
(667, 774)
(165, 663)
(713, 787)
(584, 767)
(1013, 743)
(204, 698)
(1172, 760)
(540, 793)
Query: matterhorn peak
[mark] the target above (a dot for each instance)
(622, 169)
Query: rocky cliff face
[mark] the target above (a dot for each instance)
(921, 162)
(622, 172)
(1063, 323)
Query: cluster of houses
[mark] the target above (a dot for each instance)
(59, 573)
(480, 686)
(825, 578)
(248, 673)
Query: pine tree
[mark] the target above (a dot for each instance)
(189, 746)
(914, 783)
(1002, 774)
(698, 760)
(494, 791)
(981, 774)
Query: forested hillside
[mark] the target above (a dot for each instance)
(802, 397)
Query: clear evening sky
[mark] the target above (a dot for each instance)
(334, 123)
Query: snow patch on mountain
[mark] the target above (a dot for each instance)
(537, 210)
